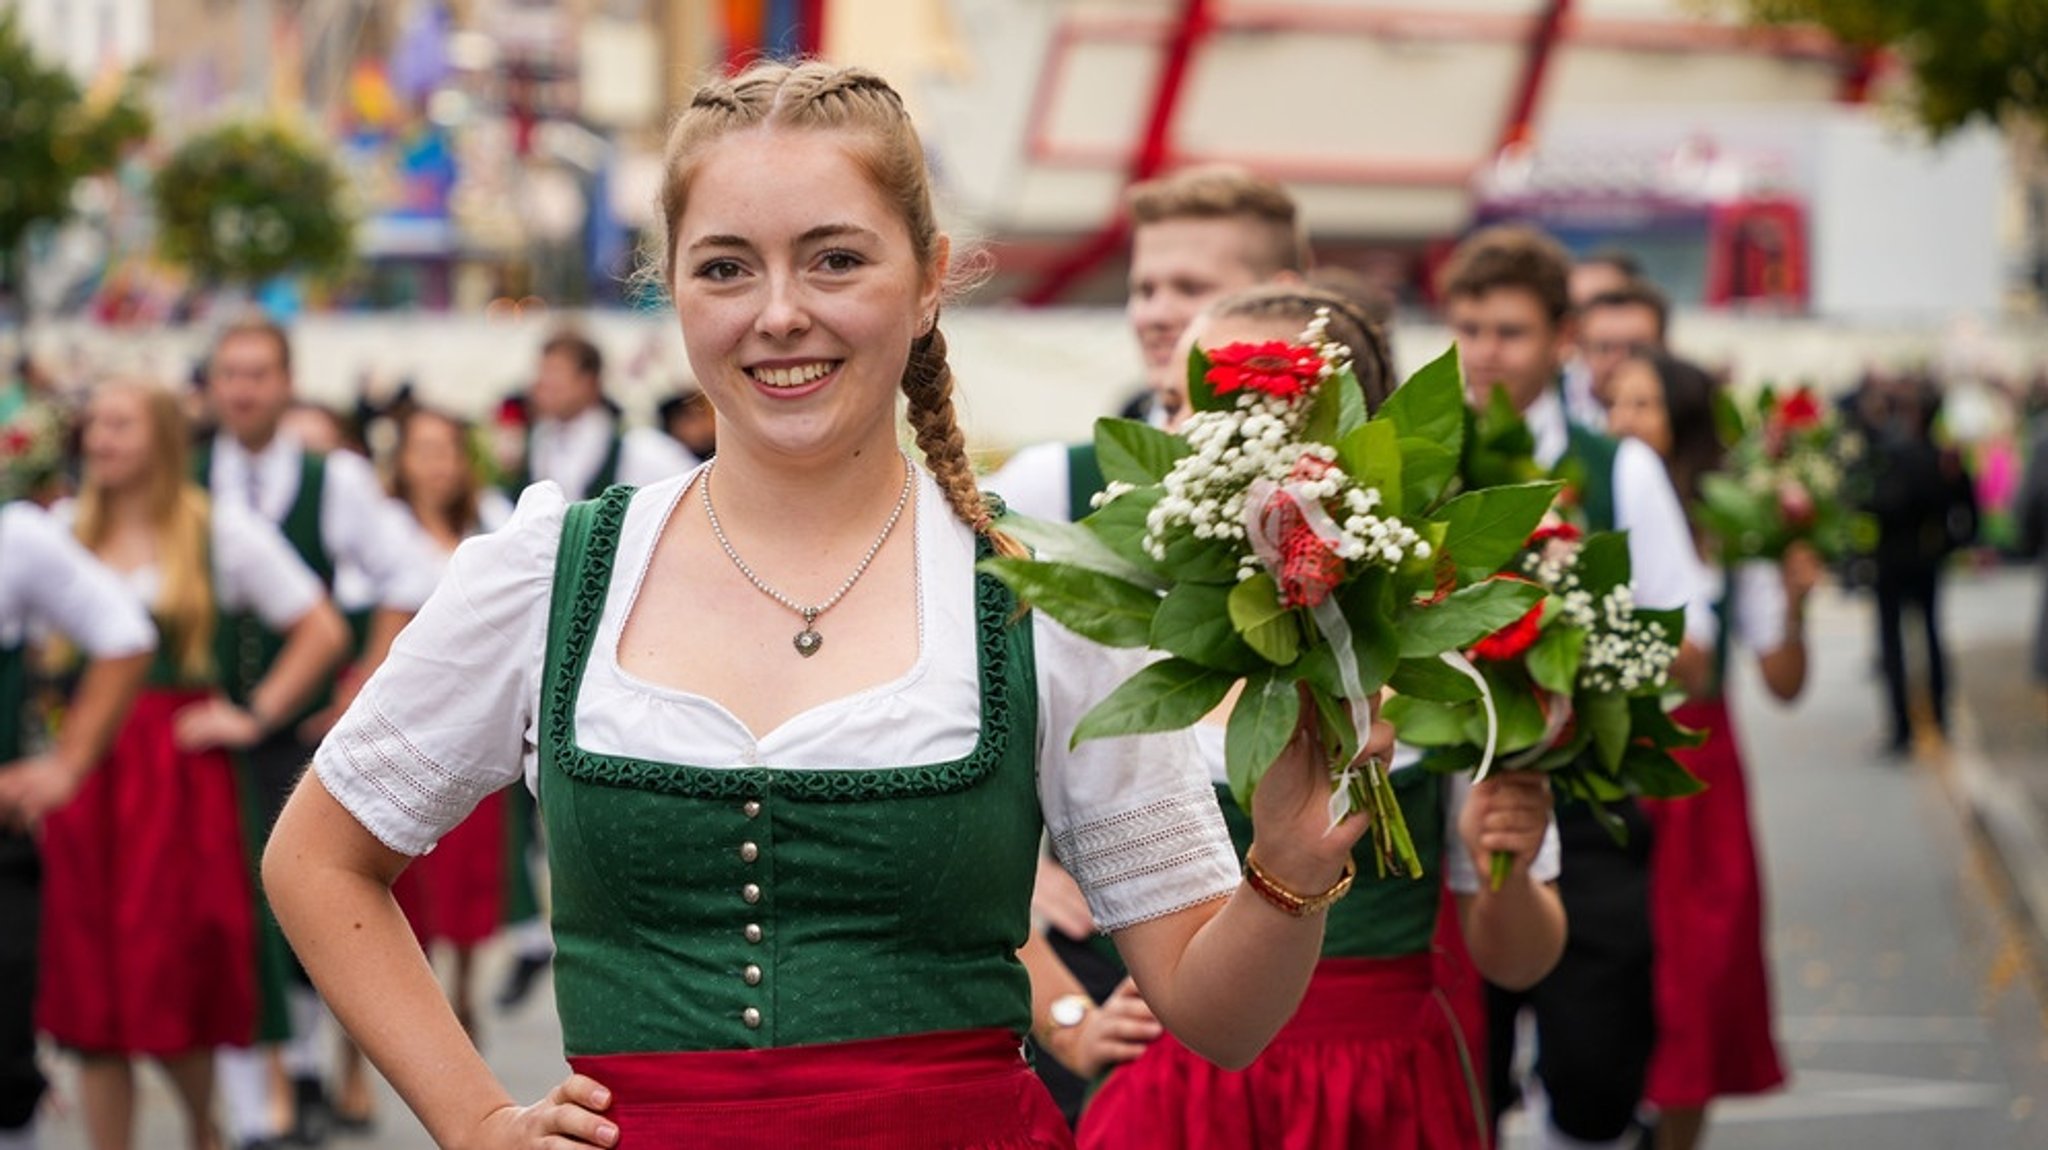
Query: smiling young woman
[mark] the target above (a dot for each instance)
(790, 879)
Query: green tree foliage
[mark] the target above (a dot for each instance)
(51, 137)
(249, 200)
(1969, 58)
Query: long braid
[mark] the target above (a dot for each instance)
(928, 383)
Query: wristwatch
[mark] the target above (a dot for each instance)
(1068, 1011)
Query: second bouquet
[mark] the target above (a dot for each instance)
(1288, 548)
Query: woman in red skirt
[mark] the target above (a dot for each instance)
(455, 894)
(1713, 994)
(148, 944)
(1374, 1055)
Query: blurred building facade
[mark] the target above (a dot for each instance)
(508, 150)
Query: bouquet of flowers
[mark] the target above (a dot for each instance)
(1782, 483)
(31, 442)
(1576, 684)
(1285, 542)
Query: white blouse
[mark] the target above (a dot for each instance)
(49, 582)
(454, 712)
(254, 569)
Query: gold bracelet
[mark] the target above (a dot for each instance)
(1290, 902)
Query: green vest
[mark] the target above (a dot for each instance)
(607, 472)
(1382, 917)
(1589, 464)
(244, 648)
(1084, 480)
(702, 908)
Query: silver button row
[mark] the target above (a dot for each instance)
(753, 932)
(751, 808)
(751, 893)
(749, 852)
(751, 975)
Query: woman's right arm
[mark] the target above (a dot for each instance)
(329, 882)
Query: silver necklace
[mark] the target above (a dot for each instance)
(808, 640)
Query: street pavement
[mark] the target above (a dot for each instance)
(1909, 979)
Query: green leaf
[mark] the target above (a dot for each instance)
(1655, 773)
(1554, 661)
(1351, 412)
(1325, 410)
(1165, 696)
(1136, 453)
(1089, 603)
(1669, 622)
(1427, 723)
(1430, 406)
(1488, 527)
(1466, 616)
(1268, 627)
(1606, 715)
(1367, 604)
(1432, 679)
(1073, 543)
(1520, 715)
(1261, 722)
(1650, 723)
(1372, 455)
(1193, 621)
(1427, 469)
(1201, 396)
(1603, 563)
(1120, 524)
(1453, 760)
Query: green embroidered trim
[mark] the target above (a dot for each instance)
(994, 608)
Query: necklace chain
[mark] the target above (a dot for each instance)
(808, 640)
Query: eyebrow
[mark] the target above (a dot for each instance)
(814, 235)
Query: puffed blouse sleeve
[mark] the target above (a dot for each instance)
(1133, 819)
(450, 715)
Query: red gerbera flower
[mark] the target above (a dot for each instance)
(1511, 641)
(1287, 370)
(1558, 530)
(1799, 411)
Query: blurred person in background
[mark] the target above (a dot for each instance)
(1605, 270)
(2030, 529)
(1925, 505)
(1615, 326)
(147, 949)
(1370, 1058)
(49, 585)
(333, 511)
(688, 419)
(1507, 302)
(1713, 996)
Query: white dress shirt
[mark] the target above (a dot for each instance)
(570, 452)
(49, 582)
(358, 524)
(454, 713)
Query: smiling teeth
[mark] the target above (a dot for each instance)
(792, 376)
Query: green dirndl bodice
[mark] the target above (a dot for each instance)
(700, 908)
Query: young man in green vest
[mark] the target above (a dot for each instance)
(576, 440)
(1196, 236)
(1505, 298)
(49, 582)
(336, 514)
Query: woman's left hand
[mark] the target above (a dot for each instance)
(215, 723)
(1802, 569)
(1291, 808)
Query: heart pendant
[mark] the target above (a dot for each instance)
(808, 641)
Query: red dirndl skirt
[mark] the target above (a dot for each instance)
(454, 893)
(148, 941)
(953, 1090)
(1713, 993)
(1372, 1058)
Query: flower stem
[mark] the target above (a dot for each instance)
(1501, 865)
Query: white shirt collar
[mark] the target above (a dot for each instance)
(570, 451)
(275, 470)
(1546, 420)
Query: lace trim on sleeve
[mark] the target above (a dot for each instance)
(407, 800)
(1141, 864)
